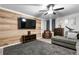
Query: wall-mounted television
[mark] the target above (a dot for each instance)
(24, 23)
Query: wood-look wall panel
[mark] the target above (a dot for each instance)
(8, 15)
(7, 27)
(9, 32)
(7, 21)
(10, 40)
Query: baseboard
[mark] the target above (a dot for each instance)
(1, 48)
(10, 45)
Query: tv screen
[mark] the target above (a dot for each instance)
(26, 23)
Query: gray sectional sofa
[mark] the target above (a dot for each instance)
(65, 42)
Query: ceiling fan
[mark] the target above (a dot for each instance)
(50, 9)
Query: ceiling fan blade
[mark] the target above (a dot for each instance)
(54, 13)
(45, 13)
(59, 9)
(43, 10)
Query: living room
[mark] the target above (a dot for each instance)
(30, 26)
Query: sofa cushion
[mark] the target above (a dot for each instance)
(68, 41)
(65, 45)
(64, 42)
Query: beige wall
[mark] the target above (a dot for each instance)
(9, 32)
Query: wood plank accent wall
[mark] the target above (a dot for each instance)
(9, 32)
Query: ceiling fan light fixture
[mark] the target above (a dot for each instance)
(50, 11)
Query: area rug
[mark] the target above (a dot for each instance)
(37, 48)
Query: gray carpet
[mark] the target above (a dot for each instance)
(37, 48)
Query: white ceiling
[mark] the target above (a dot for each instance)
(33, 9)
